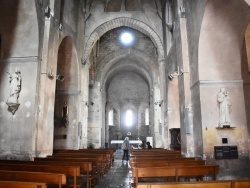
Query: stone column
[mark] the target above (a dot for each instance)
(186, 117)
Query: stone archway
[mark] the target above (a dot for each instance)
(66, 92)
(118, 22)
(110, 68)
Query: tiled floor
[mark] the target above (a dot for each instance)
(119, 175)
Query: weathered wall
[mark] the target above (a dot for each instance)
(223, 27)
(35, 51)
(19, 29)
(19, 49)
(67, 91)
(194, 11)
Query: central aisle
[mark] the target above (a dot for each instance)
(119, 175)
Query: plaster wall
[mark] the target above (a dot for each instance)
(224, 29)
(210, 120)
(35, 51)
(19, 29)
(17, 131)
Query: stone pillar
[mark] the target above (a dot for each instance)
(164, 128)
(45, 100)
(186, 116)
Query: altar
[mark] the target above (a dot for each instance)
(130, 141)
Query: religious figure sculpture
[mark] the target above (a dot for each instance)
(65, 113)
(15, 89)
(225, 104)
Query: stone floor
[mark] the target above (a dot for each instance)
(119, 175)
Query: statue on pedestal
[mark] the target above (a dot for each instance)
(225, 104)
(15, 89)
(65, 113)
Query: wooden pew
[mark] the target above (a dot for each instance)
(85, 167)
(197, 171)
(199, 184)
(44, 177)
(167, 163)
(156, 156)
(108, 152)
(69, 171)
(203, 184)
(18, 184)
(96, 173)
(102, 158)
(241, 184)
(154, 151)
(175, 172)
(161, 159)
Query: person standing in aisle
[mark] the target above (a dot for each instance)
(125, 148)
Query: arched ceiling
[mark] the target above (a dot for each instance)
(127, 22)
(139, 62)
(126, 67)
(114, 58)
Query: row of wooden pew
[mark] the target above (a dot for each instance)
(199, 184)
(64, 168)
(160, 168)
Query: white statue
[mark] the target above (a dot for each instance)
(15, 89)
(15, 85)
(225, 104)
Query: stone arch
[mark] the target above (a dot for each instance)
(66, 92)
(128, 22)
(110, 64)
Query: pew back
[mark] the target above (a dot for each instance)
(49, 178)
(69, 171)
(17, 184)
(167, 163)
(199, 184)
(176, 172)
(187, 185)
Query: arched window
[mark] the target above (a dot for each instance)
(146, 116)
(111, 117)
(129, 118)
